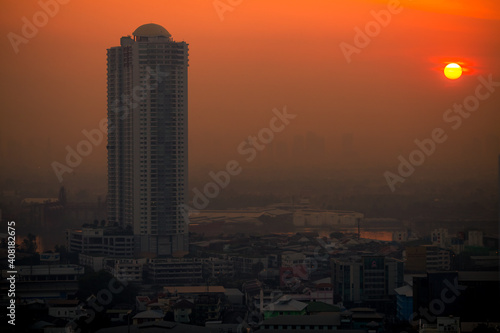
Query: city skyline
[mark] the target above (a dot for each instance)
(338, 167)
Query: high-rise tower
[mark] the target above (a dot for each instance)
(147, 138)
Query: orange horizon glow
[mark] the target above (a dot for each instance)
(263, 55)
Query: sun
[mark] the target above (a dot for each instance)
(453, 71)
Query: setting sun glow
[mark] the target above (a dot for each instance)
(453, 71)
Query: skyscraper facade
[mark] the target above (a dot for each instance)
(147, 138)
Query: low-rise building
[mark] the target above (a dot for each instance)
(206, 308)
(130, 270)
(366, 319)
(234, 296)
(404, 303)
(65, 309)
(46, 281)
(175, 271)
(475, 238)
(366, 278)
(245, 265)
(416, 257)
(437, 259)
(94, 261)
(285, 306)
(218, 267)
(158, 326)
(102, 241)
(439, 237)
(443, 324)
(147, 317)
(194, 291)
(424, 258)
(182, 310)
(400, 236)
(325, 322)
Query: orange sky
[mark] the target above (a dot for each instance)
(264, 54)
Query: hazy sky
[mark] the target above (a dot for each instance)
(264, 54)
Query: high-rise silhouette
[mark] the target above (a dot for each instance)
(148, 138)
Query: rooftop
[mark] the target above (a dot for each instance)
(194, 289)
(162, 326)
(322, 307)
(320, 320)
(151, 30)
(150, 314)
(285, 304)
(405, 290)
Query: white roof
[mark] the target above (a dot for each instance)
(285, 303)
(150, 314)
(405, 290)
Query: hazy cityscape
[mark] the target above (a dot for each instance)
(250, 166)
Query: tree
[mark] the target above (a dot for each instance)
(337, 235)
(257, 267)
(66, 257)
(94, 282)
(29, 243)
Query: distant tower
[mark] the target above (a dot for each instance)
(148, 138)
(62, 196)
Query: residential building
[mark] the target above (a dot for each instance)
(366, 319)
(206, 308)
(234, 296)
(194, 291)
(123, 269)
(424, 258)
(175, 271)
(45, 281)
(314, 308)
(475, 238)
(114, 242)
(325, 322)
(443, 324)
(285, 306)
(416, 257)
(437, 259)
(366, 278)
(66, 309)
(404, 303)
(147, 317)
(400, 236)
(246, 265)
(218, 267)
(147, 139)
(94, 261)
(182, 311)
(158, 326)
(439, 237)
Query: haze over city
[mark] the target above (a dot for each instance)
(263, 55)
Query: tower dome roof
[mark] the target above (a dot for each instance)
(151, 30)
